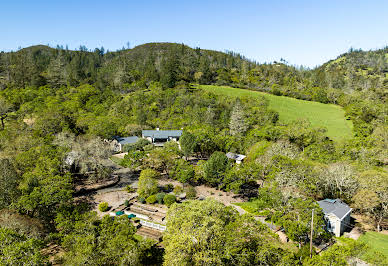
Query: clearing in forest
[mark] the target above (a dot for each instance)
(329, 116)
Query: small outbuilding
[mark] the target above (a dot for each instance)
(337, 215)
(121, 141)
(238, 158)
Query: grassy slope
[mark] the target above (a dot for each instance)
(376, 241)
(330, 116)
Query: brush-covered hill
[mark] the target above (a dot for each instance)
(356, 70)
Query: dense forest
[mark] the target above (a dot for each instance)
(58, 105)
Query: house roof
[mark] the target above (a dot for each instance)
(162, 134)
(235, 156)
(334, 206)
(126, 140)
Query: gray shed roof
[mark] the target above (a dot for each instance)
(127, 140)
(235, 156)
(162, 134)
(334, 206)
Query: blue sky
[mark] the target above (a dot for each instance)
(302, 32)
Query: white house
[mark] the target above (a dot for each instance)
(337, 215)
(236, 157)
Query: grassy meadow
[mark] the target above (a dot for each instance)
(376, 241)
(329, 116)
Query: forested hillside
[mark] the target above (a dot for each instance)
(60, 109)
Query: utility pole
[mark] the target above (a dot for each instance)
(311, 233)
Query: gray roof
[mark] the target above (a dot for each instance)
(162, 134)
(127, 140)
(235, 156)
(334, 206)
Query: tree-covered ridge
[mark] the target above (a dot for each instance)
(57, 107)
(353, 80)
(165, 62)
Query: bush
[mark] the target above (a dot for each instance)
(141, 200)
(191, 193)
(160, 196)
(151, 199)
(139, 145)
(169, 199)
(126, 203)
(178, 190)
(130, 189)
(169, 187)
(103, 206)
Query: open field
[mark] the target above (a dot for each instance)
(329, 116)
(376, 241)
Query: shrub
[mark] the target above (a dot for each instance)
(169, 187)
(103, 206)
(139, 145)
(160, 196)
(126, 203)
(169, 199)
(191, 193)
(151, 199)
(141, 200)
(178, 190)
(130, 189)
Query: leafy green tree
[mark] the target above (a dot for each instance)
(188, 143)
(104, 242)
(183, 172)
(50, 195)
(297, 220)
(148, 185)
(17, 249)
(133, 159)
(338, 254)
(372, 197)
(208, 233)
(215, 168)
(8, 183)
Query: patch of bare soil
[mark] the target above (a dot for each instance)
(113, 198)
(203, 191)
(120, 155)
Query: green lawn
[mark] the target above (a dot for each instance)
(329, 116)
(376, 241)
(249, 206)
